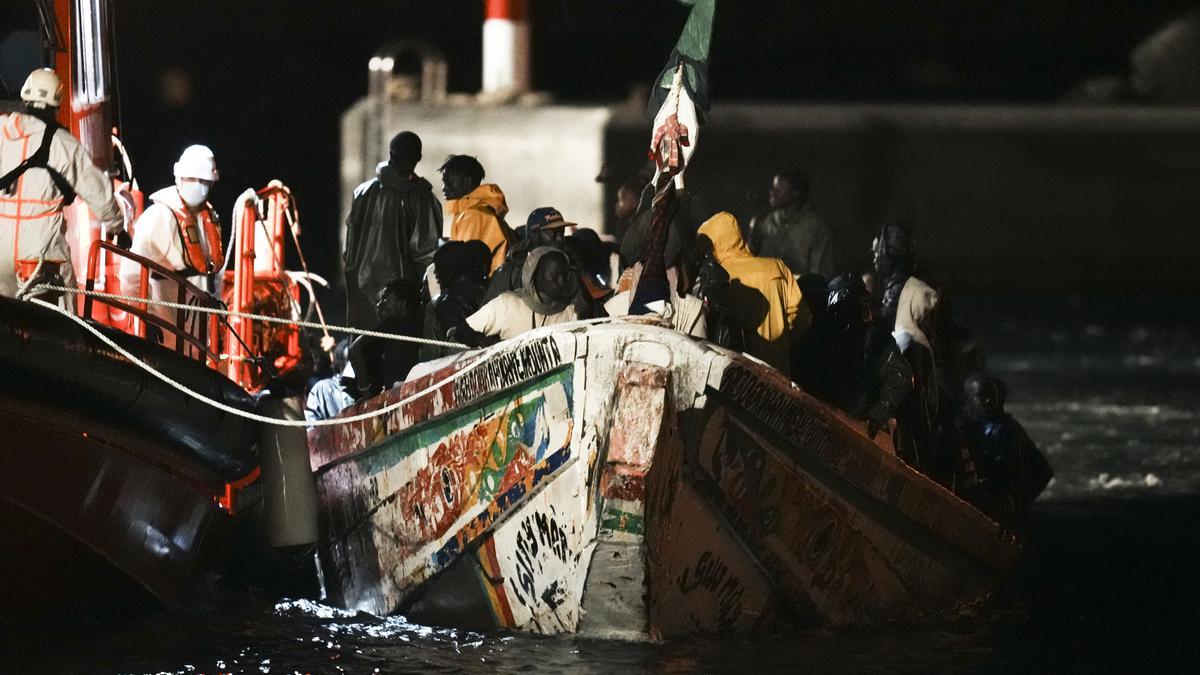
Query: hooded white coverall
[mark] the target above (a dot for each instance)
(31, 213)
(156, 236)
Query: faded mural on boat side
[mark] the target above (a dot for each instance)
(460, 382)
(811, 500)
(421, 496)
(700, 579)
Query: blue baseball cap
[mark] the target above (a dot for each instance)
(546, 218)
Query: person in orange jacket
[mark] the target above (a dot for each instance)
(476, 211)
(764, 293)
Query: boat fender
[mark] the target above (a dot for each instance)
(289, 492)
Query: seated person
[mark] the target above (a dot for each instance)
(712, 287)
(461, 271)
(378, 362)
(331, 395)
(685, 312)
(591, 293)
(544, 227)
(545, 299)
(594, 261)
(865, 374)
(1012, 471)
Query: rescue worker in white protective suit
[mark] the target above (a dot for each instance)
(42, 168)
(181, 232)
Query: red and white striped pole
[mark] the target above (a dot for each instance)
(506, 46)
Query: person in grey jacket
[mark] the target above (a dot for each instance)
(792, 231)
(392, 231)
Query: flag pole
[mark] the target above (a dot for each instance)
(682, 94)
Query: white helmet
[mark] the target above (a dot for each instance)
(196, 162)
(42, 89)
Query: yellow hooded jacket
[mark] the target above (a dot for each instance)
(766, 298)
(480, 215)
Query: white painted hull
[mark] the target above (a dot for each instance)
(624, 480)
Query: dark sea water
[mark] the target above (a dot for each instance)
(1110, 578)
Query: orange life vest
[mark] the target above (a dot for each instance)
(189, 236)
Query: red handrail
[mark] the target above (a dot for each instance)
(242, 341)
(206, 346)
(259, 262)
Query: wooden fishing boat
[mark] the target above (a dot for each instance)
(621, 479)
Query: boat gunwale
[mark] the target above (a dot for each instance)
(438, 418)
(893, 518)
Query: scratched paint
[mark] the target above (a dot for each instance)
(443, 484)
(711, 575)
(539, 532)
(472, 380)
(544, 554)
(526, 361)
(809, 433)
(822, 550)
(700, 577)
(764, 498)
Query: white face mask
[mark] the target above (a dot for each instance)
(193, 192)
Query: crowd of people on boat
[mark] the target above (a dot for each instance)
(882, 344)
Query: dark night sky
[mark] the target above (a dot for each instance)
(269, 78)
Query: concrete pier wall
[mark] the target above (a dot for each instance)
(1032, 195)
(539, 156)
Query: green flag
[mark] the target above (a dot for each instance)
(692, 52)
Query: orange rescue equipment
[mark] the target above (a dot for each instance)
(190, 223)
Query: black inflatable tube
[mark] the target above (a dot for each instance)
(48, 358)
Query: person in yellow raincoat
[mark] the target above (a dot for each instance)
(765, 296)
(476, 211)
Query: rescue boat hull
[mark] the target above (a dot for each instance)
(624, 480)
(106, 507)
(110, 475)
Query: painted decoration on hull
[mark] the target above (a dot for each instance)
(475, 376)
(812, 434)
(844, 527)
(407, 507)
(528, 573)
(699, 577)
(542, 554)
(819, 548)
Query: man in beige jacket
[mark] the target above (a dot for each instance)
(42, 168)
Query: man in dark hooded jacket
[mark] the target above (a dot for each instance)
(864, 373)
(548, 296)
(461, 269)
(392, 231)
